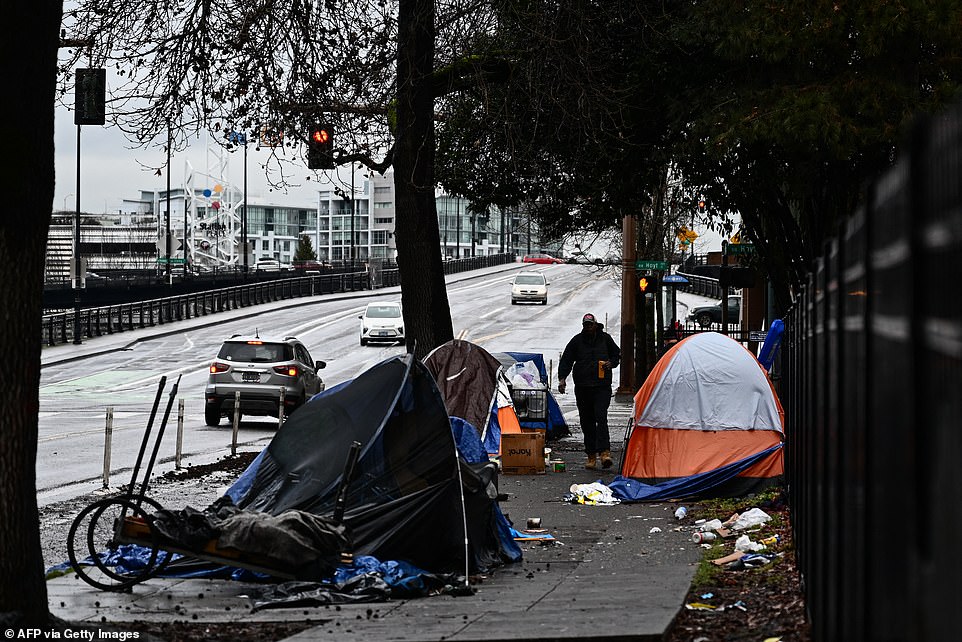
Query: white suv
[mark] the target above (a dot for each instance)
(382, 321)
(259, 368)
(529, 286)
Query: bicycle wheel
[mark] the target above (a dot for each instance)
(96, 525)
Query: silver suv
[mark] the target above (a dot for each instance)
(259, 368)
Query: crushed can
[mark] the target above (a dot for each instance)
(702, 537)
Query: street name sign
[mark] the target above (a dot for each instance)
(651, 265)
(740, 249)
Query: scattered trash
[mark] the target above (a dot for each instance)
(710, 525)
(754, 560)
(700, 521)
(770, 541)
(655, 529)
(745, 544)
(737, 555)
(699, 537)
(681, 512)
(751, 517)
(534, 522)
(593, 494)
(707, 596)
(740, 606)
(699, 606)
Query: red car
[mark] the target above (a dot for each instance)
(540, 258)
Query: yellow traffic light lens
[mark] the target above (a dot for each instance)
(320, 136)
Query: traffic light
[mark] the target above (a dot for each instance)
(320, 147)
(701, 205)
(648, 284)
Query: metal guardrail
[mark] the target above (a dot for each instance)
(872, 369)
(58, 327)
(703, 285)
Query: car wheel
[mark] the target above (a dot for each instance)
(513, 302)
(363, 342)
(212, 415)
(545, 302)
(704, 319)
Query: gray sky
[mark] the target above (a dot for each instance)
(110, 170)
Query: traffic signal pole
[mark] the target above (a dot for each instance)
(724, 288)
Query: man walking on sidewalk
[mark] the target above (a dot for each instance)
(589, 358)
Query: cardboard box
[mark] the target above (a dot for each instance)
(523, 454)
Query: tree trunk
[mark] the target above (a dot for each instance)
(427, 317)
(28, 64)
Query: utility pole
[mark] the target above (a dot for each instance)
(629, 294)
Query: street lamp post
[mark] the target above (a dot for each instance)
(353, 215)
(167, 215)
(244, 210)
(78, 276)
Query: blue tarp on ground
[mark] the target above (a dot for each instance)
(632, 490)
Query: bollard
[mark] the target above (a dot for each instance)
(233, 441)
(280, 408)
(108, 438)
(180, 434)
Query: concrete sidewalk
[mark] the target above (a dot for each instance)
(607, 577)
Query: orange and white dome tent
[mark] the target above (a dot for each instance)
(707, 422)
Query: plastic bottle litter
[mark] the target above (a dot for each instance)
(681, 512)
(699, 537)
(770, 541)
(710, 525)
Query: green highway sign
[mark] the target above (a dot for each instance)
(173, 261)
(740, 249)
(651, 265)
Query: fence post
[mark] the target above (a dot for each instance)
(233, 440)
(280, 408)
(180, 434)
(108, 439)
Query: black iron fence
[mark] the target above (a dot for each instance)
(93, 322)
(703, 285)
(872, 367)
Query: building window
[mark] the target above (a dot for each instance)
(383, 221)
(384, 205)
(386, 189)
(379, 237)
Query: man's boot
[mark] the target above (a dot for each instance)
(606, 460)
(592, 462)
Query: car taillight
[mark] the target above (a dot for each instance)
(290, 371)
(217, 366)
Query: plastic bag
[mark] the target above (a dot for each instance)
(524, 374)
(751, 517)
(746, 545)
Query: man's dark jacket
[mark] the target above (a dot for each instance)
(584, 352)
